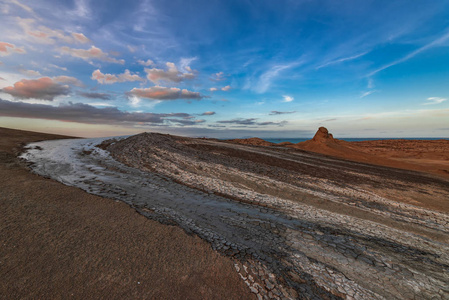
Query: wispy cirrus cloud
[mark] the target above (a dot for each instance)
(443, 38)
(367, 93)
(265, 80)
(218, 76)
(434, 100)
(112, 78)
(89, 54)
(340, 60)
(165, 93)
(21, 5)
(45, 35)
(8, 49)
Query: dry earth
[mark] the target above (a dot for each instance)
(59, 242)
(309, 225)
(430, 156)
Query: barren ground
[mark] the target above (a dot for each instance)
(58, 242)
(296, 224)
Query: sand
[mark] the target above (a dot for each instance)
(59, 242)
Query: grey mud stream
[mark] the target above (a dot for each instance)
(350, 241)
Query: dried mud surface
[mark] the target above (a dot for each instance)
(59, 242)
(296, 224)
(313, 226)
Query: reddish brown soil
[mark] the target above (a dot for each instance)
(251, 141)
(59, 242)
(417, 155)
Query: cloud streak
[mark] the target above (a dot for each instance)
(275, 112)
(337, 61)
(365, 94)
(434, 100)
(82, 113)
(165, 93)
(46, 35)
(89, 54)
(208, 113)
(430, 45)
(250, 122)
(90, 95)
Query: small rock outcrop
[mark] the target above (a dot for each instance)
(323, 136)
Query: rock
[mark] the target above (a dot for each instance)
(322, 135)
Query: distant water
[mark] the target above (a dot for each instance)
(298, 140)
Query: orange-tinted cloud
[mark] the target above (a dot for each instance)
(112, 78)
(171, 74)
(68, 80)
(45, 35)
(165, 93)
(43, 88)
(92, 53)
(8, 49)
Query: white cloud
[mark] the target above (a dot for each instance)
(92, 53)
(171, 74)
(435, 100)
(184, 64)
(112, 78)
(288, 98)
(218, 76)
(146, 63)
(224, 89)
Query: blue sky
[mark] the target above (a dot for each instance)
(226, 68)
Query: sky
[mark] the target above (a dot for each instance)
(226, 69)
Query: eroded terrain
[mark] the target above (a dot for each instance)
(297, 224)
